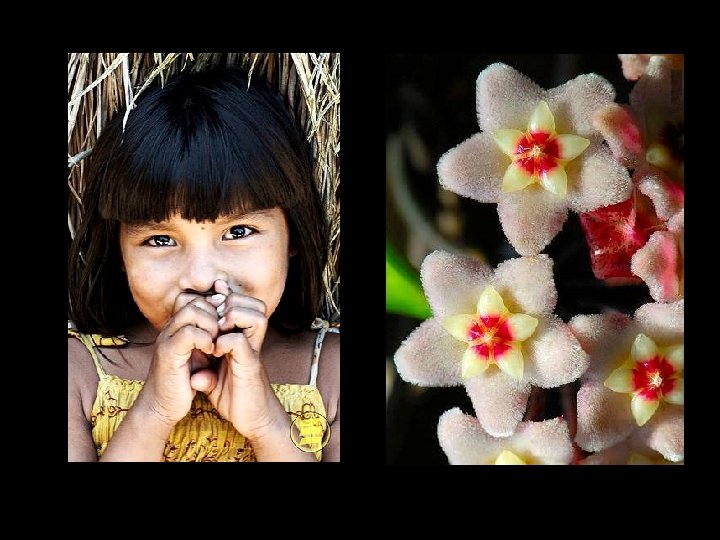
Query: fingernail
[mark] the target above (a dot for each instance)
(221, 309)
(221, 321)
(218, 297)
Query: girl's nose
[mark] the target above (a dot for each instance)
(202, 268)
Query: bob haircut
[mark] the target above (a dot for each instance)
(205, 145)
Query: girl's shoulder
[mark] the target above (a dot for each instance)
(328, 369)
(326, 351)
(80, 359)
(289, 358)
(82, 374)
(330, 351)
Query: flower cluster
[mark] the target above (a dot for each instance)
(539, 154)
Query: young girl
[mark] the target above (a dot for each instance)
(194, 279)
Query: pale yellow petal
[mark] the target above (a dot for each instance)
(571, 146)
(542, 119)
(521, 326)
(643, 409)
(676, 356)
(677, 396)
(458, 326)
(472, 364)
(507, 139)
(511, 361)
(491, 303)
(643, 348)
(516, 178)
(620, 380)
(506, 457)
(555, 180)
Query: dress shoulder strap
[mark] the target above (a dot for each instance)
(322, 327)
(92, 341)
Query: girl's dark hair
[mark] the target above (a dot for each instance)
(204, 145)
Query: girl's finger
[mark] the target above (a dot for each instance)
(222, 287)
(198, 313)
(179, 347)
(184, 299)
(204, 380)
(216, 299)
(252, 323)
(245, 301)
(239, 351)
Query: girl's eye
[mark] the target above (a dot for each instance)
(159, 240)
(238, 231)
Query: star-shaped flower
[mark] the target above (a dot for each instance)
(494, 333)
(538, 154)
(650, 374)
(650, 346)
(465, 442)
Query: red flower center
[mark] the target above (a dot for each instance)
(490, 337)
(654, 378)
(537, 152)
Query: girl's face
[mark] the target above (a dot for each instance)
(249, 251)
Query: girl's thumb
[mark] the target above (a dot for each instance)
(203, 380)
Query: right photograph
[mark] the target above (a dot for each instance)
(535, 259)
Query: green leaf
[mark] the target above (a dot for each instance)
(403, 292)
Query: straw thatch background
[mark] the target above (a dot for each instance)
(99, 84)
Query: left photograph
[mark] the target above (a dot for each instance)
(203, 257)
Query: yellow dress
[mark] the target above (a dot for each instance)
(203, 435)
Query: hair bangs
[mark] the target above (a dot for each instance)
(201, 159)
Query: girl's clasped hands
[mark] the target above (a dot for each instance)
(212, 344)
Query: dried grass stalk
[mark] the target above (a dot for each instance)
(100, 84)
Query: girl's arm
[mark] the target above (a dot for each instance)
(140, 437)
(166, 395)
(275, 444)
(80, 443)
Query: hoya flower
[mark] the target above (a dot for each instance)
(648, 135)
(660, 263)
(537, 156)
(650, 374)
(635, 382)
(494, 333)
(465, 442)
(615, 233)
